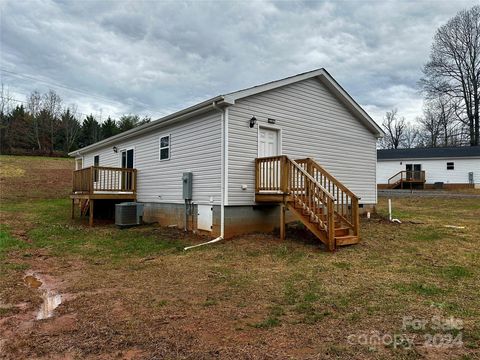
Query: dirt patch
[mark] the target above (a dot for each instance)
(31, 177)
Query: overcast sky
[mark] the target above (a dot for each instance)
(156, 57)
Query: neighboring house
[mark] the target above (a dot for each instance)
(448, 167)
(304, 116)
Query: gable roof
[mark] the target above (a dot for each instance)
(222, 101)
(425, 153)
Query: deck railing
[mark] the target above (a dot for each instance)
(101, 179)
(413, 176)
(346, 202)
(280, 174)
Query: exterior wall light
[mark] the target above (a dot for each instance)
(115, 149)
(253, 121)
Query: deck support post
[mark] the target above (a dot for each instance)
(330, 226)
(90, 221)
(73, 209)
(282, 221)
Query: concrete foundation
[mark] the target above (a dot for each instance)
(238, 219)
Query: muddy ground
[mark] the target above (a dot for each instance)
(135, 294)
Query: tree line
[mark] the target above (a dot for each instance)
(42, 125)
(450, 86)
(451, 89)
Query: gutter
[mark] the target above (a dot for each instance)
(177, 116)
(224, 176)
(223, 168)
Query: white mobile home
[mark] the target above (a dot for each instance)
(448, 167)
(299, 144)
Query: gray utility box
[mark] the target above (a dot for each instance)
(187, 181)
(128, 214)
(471, 180)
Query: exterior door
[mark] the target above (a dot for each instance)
(127, 163)
(409, 169)
(417, 168)
(268, 143)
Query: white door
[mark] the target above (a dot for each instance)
(268, 143)
(205, 217)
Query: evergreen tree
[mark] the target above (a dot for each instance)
(109, 128)
(91, 131)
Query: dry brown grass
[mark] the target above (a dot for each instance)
(136, 294)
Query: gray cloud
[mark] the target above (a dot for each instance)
(153, 58)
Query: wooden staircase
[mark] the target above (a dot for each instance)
(323, 204)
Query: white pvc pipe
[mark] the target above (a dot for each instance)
(205, 243)
(390, 212)
(390, 209)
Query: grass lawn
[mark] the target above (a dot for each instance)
(136, 294)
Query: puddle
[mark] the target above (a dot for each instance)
(51, 299)
(32, 281)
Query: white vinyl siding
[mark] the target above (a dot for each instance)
(435, 169)
(313, 123)
(196, 148)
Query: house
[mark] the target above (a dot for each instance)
(298, 147)
(447, 167)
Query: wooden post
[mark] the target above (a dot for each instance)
(284, 174)
(282, 221)
(356, 217)
(90, 221)
(73, 209)
(331, 226)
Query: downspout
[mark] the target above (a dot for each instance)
(222, 180)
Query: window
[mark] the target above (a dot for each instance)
(450, 166)
(164, 152)
(96, 162)
(78, 163)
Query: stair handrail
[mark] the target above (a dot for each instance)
(398, 173)
(347, 203)
(328, 175)
(313, 197)
(311, 178)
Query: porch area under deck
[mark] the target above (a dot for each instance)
(96, 183)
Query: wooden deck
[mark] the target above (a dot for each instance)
(321, 202)
(101, 183)
(407, 179)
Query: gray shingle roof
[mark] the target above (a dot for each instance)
(423, 153)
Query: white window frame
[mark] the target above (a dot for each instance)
(76, 162)
(169, 147)
(93, 162)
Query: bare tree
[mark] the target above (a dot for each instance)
(394, 130)
(5, 99)
(411, 138)
(52, 107)
(431, 127)
(34, 104)
(70, 126)
(453, 70)
(439, 125)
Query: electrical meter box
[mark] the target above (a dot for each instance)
(187, 180)
(470, 178)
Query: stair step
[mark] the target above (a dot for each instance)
(342, 231)
(346, 240)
